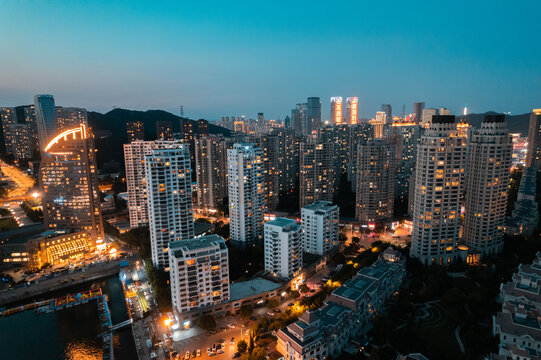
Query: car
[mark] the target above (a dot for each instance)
(218, 347)
(221, 341)
(236, 355)
(209, 350)
(187, 356)
(212, 353)
(232, 341)
(194, 353)
(270, 313)
(198, 354)
(212, 332)
(253, 318)
(223, 328)
(220, 351)
(278, 311)
(290, 304)
(213, 347)
(231, 326)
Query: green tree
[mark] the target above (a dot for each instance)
(206, 322)
(304, 288)
(242, 346)
(294, 294)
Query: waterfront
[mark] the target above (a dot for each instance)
(70, 333)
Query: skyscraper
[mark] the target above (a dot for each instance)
(287, 157)
(45, 118)
(352, 109)
(379, 124)
(336, 110)
(320, 227)
(487, 181)
(135, 131)
(316, 172)
(339, 136)
(202, 127)
(270, 145)
(20, 142)
(426, 117)
(211, 171)
(388, 110)
(313, 115)
(283, 247)
(418, 110)
(69, 183)
(164, 130)
(246, 193)
(358, 134)
(199, 273)
(70, 117)
(439, 181)
(169, 191)
(375, 181)
(8, 118)
(533, 157)
(136, 176)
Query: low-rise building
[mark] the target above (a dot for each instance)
(323, 333)
(518, 325)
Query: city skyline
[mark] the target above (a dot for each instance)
(409, 48)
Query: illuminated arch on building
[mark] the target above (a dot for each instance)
(80, 130)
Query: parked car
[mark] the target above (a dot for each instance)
(187, 356)
(232, 341)
(198, 352)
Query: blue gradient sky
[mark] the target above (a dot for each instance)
(217, 58)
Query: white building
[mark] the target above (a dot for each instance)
(199, 273)
(283, 247)
(136, 176)
(320, 227)
(169, 191)
(439, 181)
(246, 193)
(489, 160)
(426, 118)
(210, 154)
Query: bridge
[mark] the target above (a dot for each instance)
(120, 325)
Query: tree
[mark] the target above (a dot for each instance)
(304, 288)
(206, 322)
(242, 346)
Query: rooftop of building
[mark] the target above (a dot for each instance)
(320, 205)
(249, 288)
(198, 243)
(355, 288)
(282, 222)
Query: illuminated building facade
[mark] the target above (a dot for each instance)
(45, 118)
(199, 273)
(270, 145)
(317, 175)
(164, 130)
(288, 159)
(202, 127)
(378, 124)
(489, 160)
(70, 117)
(69, 183)
(320, 227)
(211, 171)
(336, 110)
(352, 110)
(388, 110)
(169, 191)
(135, 131)
(246, 189)
(20, 142)
(533, 157)
(8, 118)
(439, 182)
(375, 181)
(57, 246)
(339, 136)
(358, 134)
(136, 176)
(283, 247)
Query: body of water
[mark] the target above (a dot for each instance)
(70, 333)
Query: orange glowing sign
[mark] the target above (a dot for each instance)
(336, 103)
(353, 104)
(80, 130)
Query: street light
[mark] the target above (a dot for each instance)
(168, 322)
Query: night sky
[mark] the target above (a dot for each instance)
(221, 58)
